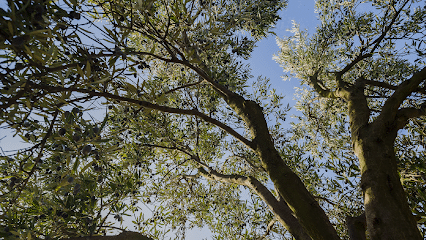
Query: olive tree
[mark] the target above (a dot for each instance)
(141, 110)
(169, 77)
(363, 100)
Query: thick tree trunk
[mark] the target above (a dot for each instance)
(306, 209)
(288, 184)
(388, 215)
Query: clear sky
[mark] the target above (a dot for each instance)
(261, 62)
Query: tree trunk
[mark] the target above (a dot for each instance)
(356, 227)
(288, 184)
(388, 215)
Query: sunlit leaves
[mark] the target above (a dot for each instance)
(64, 61)
(357, 39)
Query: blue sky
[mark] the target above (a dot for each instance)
(261, 62)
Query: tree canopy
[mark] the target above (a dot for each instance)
(364, 105)
(142, 110)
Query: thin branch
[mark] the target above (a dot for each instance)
(250, 163)
(350, 65)
(12, 100)
(380, 84)
(325, 199)
(39, 156)
(193, 112)
(390, 86)
(387, 29)
(376, 44)
(281, 210)
(180, 87)
(268, 229)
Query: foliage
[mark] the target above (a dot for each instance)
(383, 42)
(141, 110)
(98, 115)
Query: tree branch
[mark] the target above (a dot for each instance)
(387, 29)
(325, 92)
(404, 114)
(280, 208)
(250, 163)
(38, 158)
(320, 88)
(122, 236)
(282, 211)
(362, 56)
(390, 86)
(268, 229)
(359, 112)
(356, 227)
(353, 63)
(390, 108)
(180, 87)
(149, 105)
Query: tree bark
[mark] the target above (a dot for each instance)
(306, 209)
(388, 215)
(288, 184)
(122, 236)
(356, 227)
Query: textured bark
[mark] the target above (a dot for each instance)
(288, 184)
(306, 209)
(122, 236)
(387, 212)
(388, 215)
(356, 227)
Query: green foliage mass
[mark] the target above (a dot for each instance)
(383, 42)
(78, 82)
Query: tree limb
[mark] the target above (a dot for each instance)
(390, 86)
(122, 236)
(268, 229)
(325, 92)
(282, 211)
(180, 87)
(404, 114)
(359, 112)
(321, 89)
(38, 158)
(353, 63)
